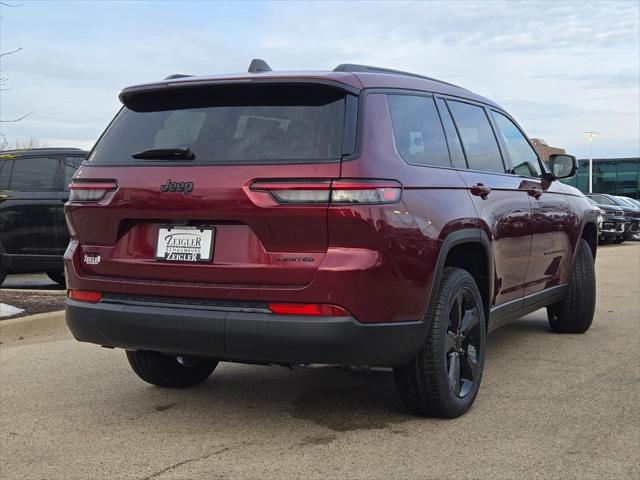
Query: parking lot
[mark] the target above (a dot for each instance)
(561, 406)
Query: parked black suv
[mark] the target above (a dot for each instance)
(631, 214)
(33, 190)
(611, 228)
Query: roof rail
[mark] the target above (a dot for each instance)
(177, 75)
(356, 68)
(258, 65)
(42, 149)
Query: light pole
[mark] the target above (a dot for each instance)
(590, 136)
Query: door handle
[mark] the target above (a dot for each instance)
(480, 190)
(535, 192)
(4, 197)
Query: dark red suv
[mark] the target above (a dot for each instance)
(361, 216)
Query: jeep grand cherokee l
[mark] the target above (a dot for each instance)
(359, 216)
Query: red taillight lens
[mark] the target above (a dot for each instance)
(85, 296)
(308, 309)
(93, 191)
(336, 191)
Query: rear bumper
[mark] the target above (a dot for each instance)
(244, 336)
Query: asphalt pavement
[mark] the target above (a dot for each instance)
(30, 281)
(550, 406)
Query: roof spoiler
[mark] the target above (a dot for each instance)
(258, 65)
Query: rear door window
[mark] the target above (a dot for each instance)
(418, 131)
(70, 165)
(230, 124)
(34, 174)
(523, 158)
(478, 139)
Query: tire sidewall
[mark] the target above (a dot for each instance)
(459, 280)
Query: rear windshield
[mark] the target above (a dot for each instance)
(229, 124)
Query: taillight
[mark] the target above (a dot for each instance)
(365, 191)
(296, 192)
(308, 309)
(85, 295)
(93, 191)
(350, 191)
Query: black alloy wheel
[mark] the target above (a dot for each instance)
(443, 379)
(462, 347)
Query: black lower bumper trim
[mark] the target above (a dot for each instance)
(244, 336)
(19, 263)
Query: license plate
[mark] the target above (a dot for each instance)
(185, 244)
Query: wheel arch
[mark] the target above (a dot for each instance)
(471, 250)
(589, 232)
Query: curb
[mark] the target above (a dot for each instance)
(31, 290)
(31, 327)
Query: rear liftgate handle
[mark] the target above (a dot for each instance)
(480, 190)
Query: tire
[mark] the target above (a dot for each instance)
(429, 385)
(3, 275)
(57, 277)
(575, 313)
(619, 240)
(170, 371)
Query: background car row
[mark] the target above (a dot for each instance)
(621, 217)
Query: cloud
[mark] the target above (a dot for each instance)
(560, 68)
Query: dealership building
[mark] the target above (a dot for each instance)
(617, 176)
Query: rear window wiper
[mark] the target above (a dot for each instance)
(165, 154)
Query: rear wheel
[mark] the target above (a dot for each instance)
(444, 377)
(3, 275)
(57, 277)
(574, 314)
(171, 371)
(619, 240)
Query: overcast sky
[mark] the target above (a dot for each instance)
(561, 68)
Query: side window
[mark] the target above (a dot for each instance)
(477, 137)
(5, 173)
(418, 131)
(70, 165)
(34, 173)
(455, 148)
(523, 157)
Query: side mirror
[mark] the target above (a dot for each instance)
(562, 166)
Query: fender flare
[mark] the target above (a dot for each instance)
(467, 235)
(590, 218)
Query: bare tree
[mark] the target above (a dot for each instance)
(5, 80)
(25, 143)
